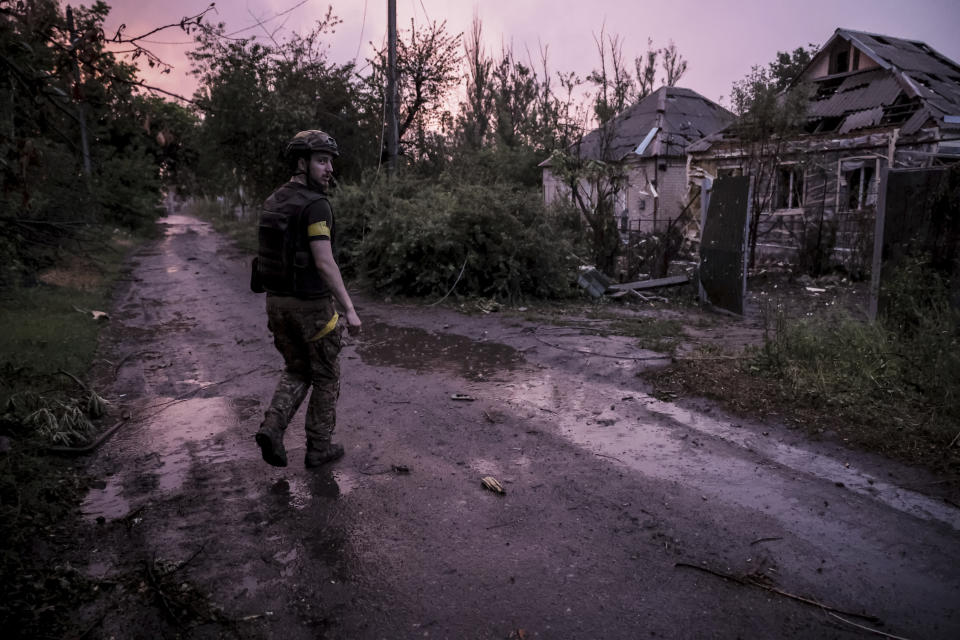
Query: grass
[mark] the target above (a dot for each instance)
(43, 333)
(885, 387)
(241, 231)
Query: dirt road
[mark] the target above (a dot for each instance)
(611, 495)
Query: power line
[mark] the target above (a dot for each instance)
(425, 14)
(248, 28)
(363, 25)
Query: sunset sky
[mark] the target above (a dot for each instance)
(721, 40)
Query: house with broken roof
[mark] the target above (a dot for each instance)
(874, 101)
(650, 141)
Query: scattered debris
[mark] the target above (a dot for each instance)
(755, 582)
(400, 469)
(598, 284)
(462, 396)
(491, 483)
(646, 298)
(593, 281)
(96, 315)
(860, 626)
(656, 283)
(759, 540)
(588, 353)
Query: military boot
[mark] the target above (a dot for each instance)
(321, 453)
(270, 440)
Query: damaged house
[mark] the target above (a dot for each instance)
(649, 141)
(874, 101)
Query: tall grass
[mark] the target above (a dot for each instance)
(902, 371)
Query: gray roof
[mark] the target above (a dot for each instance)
(912, 85)
(679, 116)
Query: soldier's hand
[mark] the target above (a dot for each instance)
(353, 323)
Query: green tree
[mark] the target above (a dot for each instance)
(57, 84)
(255, 96)
(771, 106)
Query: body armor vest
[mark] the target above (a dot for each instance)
(284, 261)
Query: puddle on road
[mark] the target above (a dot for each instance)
(345, 481)
(821, 466)
(106, 502)
(178, 224)
(420, 350)
(168, 443)
(665, 441)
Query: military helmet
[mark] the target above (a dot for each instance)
(309, 141)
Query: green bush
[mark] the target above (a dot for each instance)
(413, 237)
(904, 368)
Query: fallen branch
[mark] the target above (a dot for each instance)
(751, 582)
(646, 298)
(453, 287)
(860, 626)
(93, 446)
(185, 562)
(186, 396)
(74, 378)
(758, 541)
(603, 455)
(600, 355)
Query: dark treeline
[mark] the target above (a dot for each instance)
(474, 125)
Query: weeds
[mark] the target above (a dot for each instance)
(891, 386)
(893, 383)
(44, 334)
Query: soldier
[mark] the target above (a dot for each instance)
(295, 266)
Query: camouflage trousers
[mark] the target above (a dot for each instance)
(303, 335)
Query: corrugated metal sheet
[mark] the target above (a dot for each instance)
(905, 55)
(861, 120)
(863, 79)
(880, 92)
(907, 69)
(915, 122)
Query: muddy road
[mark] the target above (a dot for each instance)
(613, 498)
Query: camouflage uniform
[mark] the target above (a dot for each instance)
(300, 310)
(310, 361)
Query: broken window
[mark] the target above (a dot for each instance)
(841, 63)
(788, 187)
(624, 223)
(728, 172)
(859, 185)
(901, 110)
(827, 88)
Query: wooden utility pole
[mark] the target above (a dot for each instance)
(81, 118)
(393, 141)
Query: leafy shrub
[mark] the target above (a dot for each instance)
(414, 237)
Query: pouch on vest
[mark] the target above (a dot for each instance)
(256, 284)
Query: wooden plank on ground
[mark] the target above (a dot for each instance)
(656, 283)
